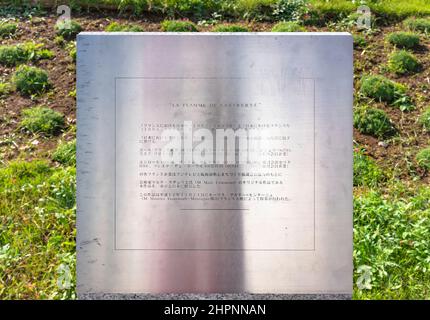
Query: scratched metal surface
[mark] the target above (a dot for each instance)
(126, 245)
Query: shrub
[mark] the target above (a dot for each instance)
(423, 158)
(288, 26)
(230, 28)
(30, 80)
(5, 89)
(424, 119)
(68, 29)
(66, 153)
(374, 122)
(382, 89)
(366, 171)
(403, 62)
(402, 39)
(290, 10)
(24, 52)
(178, 26)
(116, 27)
(7, 29)
(418, 24)
(42, 120)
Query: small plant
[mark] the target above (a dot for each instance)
(407, 40)
(68, 29)
(72, 93)
(424, 119)
(71, 48)
(418, 24)
(288, 26)
(230, 28)
(423, 158)
(42, 120)
(59, 41)
(290, 10)
(178, 26)
(5, 89)
(24, 52)
(359, 41)
(30, 80)
(403, 62)
(7, 29)
(116, 27)
(366, 172)
(374, 122)
(66, 153)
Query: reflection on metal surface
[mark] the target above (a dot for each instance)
(214, 163)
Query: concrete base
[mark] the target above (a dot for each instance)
(212, 296)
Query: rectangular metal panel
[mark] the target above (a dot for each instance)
(278, 222)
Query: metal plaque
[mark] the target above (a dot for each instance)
(213, 162)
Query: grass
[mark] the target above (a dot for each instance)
(391, 243)
(42, 120)
(37, 230)
(403, 62)
(31, 80)
(391, 192)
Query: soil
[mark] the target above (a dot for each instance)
(397, 153)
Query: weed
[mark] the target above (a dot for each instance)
(382, 89)
(359, 41)
(423, 158)
(230, 28)
(288, 26)
(30, 80)
(178, 26)
(401, 39)
(374, 122)
(7, 29)
(5, 89)
(68, 29)
(290, 10)
(424, 119)
(42, 120)
(418, 24)
(366, 172)
(24, 52)
(403, 62)
(116, 27)
(66, 153)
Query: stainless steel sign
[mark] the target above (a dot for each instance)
(214, 163)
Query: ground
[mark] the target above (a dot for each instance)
(37, 209)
